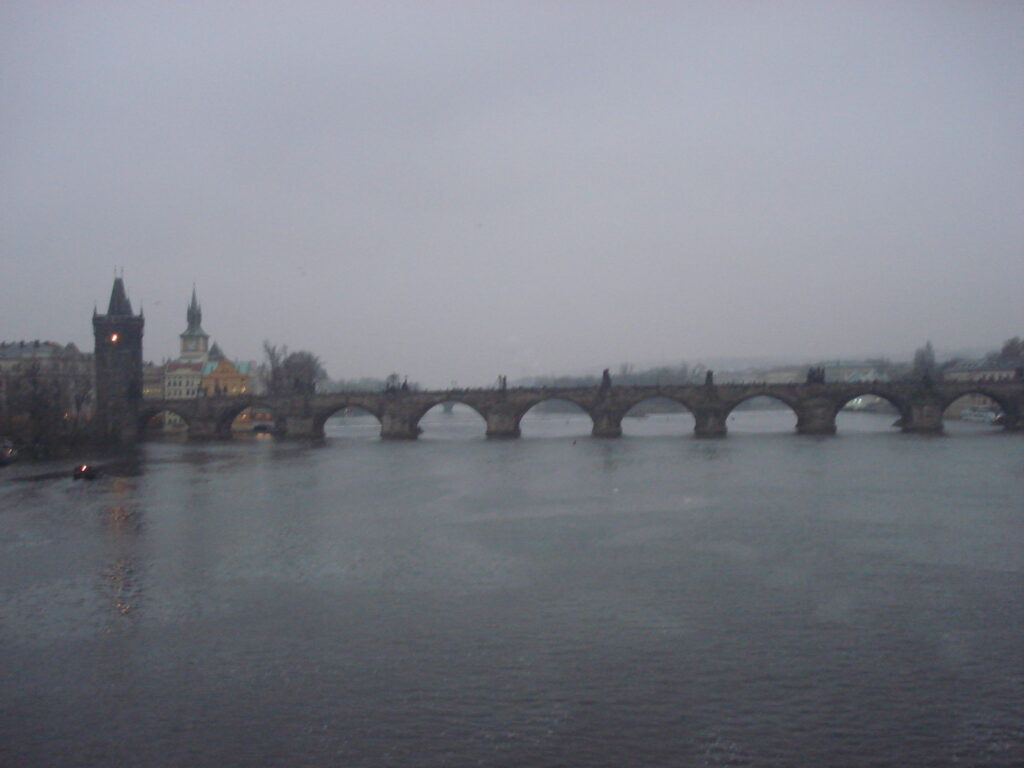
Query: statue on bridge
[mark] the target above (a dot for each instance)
(606, 380)
(709, 379)
(816, 375)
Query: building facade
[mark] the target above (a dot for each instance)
(982, 371)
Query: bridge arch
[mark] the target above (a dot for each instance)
(250, 417)
(429, 429)
(977, 404)
(734, 414)
(353, 408)
(148, 415)
(429, 406)
(900, 408)
(530, 405)
(676, 416)
(896, 402)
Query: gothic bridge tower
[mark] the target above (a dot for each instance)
(118, 363)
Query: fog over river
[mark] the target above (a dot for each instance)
(767, 599)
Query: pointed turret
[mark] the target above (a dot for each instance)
(119, 304)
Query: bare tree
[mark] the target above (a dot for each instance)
(295, 373)
(35, 408)
(303, 371)
(75, 373)
(274, 358)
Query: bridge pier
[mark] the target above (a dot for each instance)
(709, 422)
(502, 423)
(816, 418)
(923, 417)
(397, 425)
(1013, 421)
(606, 424)
(129, 433)
(207, 429)
(306, 427)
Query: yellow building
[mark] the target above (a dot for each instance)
(222, 377)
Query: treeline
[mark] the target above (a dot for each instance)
(46, 405)
(1012, 352)
(302, 373)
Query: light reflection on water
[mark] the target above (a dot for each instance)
(767, 599)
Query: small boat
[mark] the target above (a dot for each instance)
(8, 455)
(980, 414)
(85, 472)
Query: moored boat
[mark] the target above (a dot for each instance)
(980, 414)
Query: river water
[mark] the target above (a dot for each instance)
(762, 600)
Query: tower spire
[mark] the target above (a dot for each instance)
(194, 341)
(194, 315)
(119, 304)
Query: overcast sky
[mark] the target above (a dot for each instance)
(457, 190)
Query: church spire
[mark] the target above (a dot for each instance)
(194, 315)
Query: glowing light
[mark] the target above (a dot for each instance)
(113, 337)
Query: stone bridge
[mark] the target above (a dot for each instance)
(920, 405)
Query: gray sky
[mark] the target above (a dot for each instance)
(456, 190)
